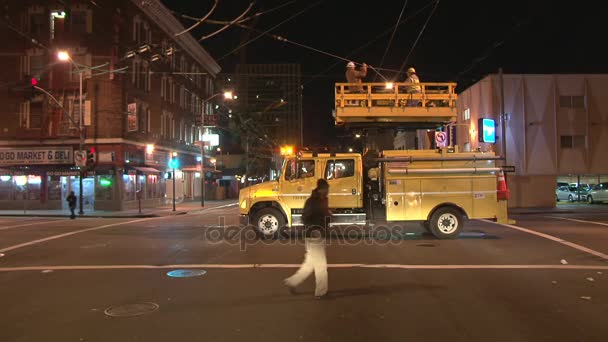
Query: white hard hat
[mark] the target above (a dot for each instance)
(412, 70)
(350, 65)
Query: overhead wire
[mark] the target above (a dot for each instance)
(230, 24)
(270, 29)
(201, 20)
(419, 35)
(404, 20)
(390, 41)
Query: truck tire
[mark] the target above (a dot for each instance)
(446, 223)
(268, 222)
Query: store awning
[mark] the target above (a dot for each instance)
(144, 169)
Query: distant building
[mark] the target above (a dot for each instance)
(556, 130)
(143, 95)
(272, 94)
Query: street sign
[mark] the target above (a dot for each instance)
(80, 158)
(441, 138)
(508, 168)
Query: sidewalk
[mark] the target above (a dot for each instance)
(565, 208)
(167, 210)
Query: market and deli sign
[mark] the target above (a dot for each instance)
(36, 155)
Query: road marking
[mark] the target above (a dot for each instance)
(553, 238)
(580, 221)
(27, 224)
(54, 237)
(270, 266)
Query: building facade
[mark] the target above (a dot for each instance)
(556, 130)
(143, 91)
(272, 94)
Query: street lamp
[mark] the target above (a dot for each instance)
(173, 165)
(64, 56)
(228, 95)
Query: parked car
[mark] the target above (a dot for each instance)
(565, 193)
(599, 193)
(581, 188)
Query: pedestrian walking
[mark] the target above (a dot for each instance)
(315, 217)
(72, 204)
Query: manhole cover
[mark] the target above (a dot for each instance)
(425, 245)
(186, 273)
(131, 309)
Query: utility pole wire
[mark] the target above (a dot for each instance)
(371, 42)
(228, 25)
(270, 29)
(390, 41)
(200, 21)
(418, 38)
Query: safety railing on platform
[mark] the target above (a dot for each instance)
(395, 95)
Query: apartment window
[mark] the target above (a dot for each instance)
(572, 101)
(148, 120)
(37, 23)
(78, 21)
(145, 77)
(57, 19)
(572, 141)
(171, 91)
(466, 115)
(183, 65)
(172, 128)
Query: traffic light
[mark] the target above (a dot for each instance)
(91, 156)
(174, 163)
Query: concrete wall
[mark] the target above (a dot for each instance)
(538, 119)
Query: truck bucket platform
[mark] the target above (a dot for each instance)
(407, 103)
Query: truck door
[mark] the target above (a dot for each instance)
(298, 181)
(343, 179)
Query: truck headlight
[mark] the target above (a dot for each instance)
(244, 204)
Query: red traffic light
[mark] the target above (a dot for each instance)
(92, 150)
(33, 81)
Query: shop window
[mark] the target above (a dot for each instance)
(54, 188)
(104, 188)
(129, 182)
(141, 186)
(152, 187)
(340, 168)
(7, 187)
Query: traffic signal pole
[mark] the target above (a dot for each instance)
(81, 130)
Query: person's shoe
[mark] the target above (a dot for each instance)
(321, 297)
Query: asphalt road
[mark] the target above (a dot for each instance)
(543, 279)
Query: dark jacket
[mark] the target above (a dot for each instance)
(316, 214)
(71, 201)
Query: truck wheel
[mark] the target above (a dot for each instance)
(268, 222)
(446, 223)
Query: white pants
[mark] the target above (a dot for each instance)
(315, 260)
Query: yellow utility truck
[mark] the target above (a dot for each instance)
(439, 187)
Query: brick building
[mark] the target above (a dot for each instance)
(143, 92)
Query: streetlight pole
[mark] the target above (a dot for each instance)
(173, 187)
(227, 95)
(81, 147)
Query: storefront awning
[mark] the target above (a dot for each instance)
(144, 169)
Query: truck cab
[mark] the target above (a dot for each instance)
(270, 206)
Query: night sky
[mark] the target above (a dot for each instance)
(463, 41)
